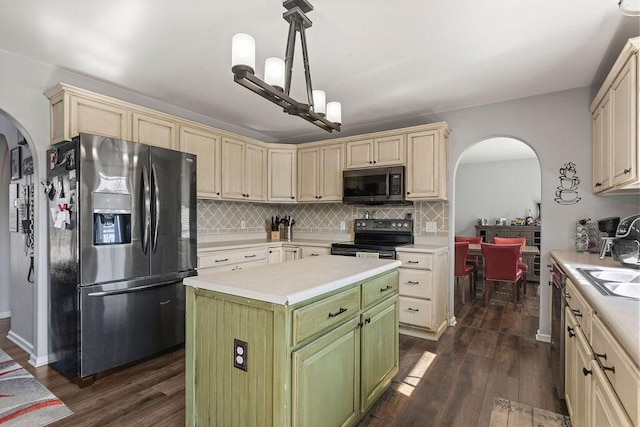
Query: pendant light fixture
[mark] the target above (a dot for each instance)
(277, 75)
(629, 7)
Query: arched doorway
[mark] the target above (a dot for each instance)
(17, 204)
(495, 179)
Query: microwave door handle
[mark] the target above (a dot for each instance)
(387, 184)
(156, 212)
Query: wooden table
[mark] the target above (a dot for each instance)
(527, 251)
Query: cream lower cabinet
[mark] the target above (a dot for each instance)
(424, 294)
(320, 173)
(290, 253)
(243, 170)
(206, 145)
(602, 384)
(234, 259)
(311, 251)
(274, 255)
(320, 363)
(427, 156)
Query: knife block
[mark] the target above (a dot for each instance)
(275, 236)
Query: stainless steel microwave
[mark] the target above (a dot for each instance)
(373, 186)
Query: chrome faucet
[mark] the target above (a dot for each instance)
(605, 245)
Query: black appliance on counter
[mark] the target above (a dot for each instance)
(376, 236)
(122, 237)
(626, 245)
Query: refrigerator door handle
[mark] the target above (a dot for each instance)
(135, 289)
(144, 213)
(156, 204)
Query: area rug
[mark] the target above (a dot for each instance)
(23, 400)
(507, 413)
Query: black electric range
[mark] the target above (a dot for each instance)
(380, 236)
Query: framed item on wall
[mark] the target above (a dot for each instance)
(16, 164)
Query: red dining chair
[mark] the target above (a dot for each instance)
(501, 265)
(521, 265)
(462, 269)
(472, 259)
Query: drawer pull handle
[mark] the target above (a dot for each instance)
(577, 313)
(413, 262)
(413, 309)
(314, 254)
(571, 333)
(606, 368)
(222, 260)
(386, 289)
(367, 320)
(342, 310)
(409, 282)
(603, 356)
(250, 256)
(586, 372)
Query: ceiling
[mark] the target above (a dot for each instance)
(387, 62)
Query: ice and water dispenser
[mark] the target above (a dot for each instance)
(111, 218)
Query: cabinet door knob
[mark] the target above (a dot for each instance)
(218, 193)
(374, 162)
(319, 197)
(293, 197)
(586, 372)
(408, 192)
(571, 333)
(598, 184)
(627, 170)
(577, 313)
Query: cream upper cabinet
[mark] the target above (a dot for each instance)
(282, 174)
(616, 135)
(206, 146)
(426, 175)
(154, 130)
(320, 173)
(602, 146)
(75, 110)
(244, 168)
(375, 152)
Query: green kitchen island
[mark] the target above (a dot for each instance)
(312, 342)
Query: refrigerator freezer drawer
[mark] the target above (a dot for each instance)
(122, 324)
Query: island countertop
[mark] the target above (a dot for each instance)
(294, 281)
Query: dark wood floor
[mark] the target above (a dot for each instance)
(492, 352)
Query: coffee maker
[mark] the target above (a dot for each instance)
(608, 227)
(626, 245)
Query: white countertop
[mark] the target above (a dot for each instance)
(293, 281)
(621, 315)
(239, 244)
(429, 249)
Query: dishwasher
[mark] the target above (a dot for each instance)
(558, 303)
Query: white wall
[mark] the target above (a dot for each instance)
(504, 189)
(557, 126)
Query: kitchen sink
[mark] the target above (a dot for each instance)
(614, 281)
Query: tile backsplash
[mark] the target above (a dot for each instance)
(218, 217)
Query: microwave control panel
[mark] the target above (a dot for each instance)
(395, 184)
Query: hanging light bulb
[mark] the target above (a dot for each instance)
(319, 102)
(334, 112)
(629, 7)
(274, 72)
(243, 52)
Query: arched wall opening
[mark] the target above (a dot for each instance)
(498, 178)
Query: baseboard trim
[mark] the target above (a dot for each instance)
(38, 361)
(543, 337)
(20, 342)
(5, 314)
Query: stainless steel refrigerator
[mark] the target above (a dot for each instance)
(122, 237)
